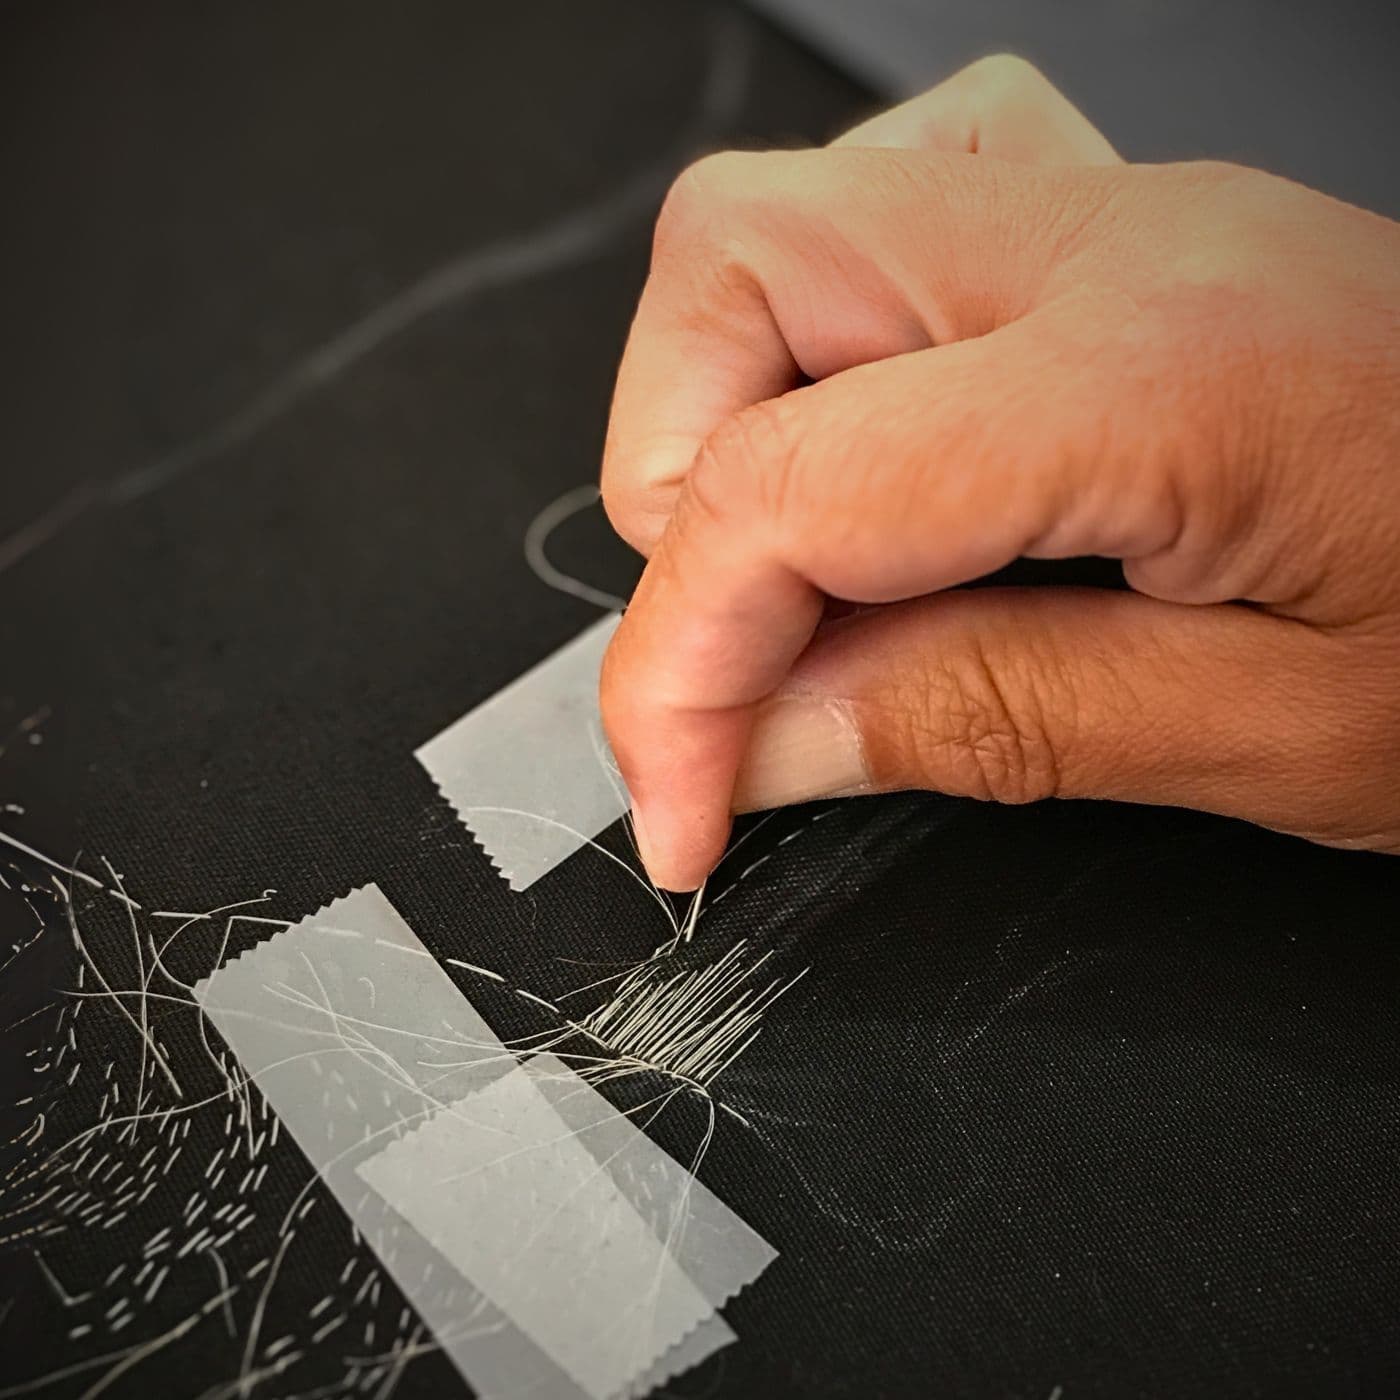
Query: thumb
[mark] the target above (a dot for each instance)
(1013, 695)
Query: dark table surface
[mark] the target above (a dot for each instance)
(308, 311)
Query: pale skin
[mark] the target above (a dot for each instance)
(967, 333)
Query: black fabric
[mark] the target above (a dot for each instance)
(1077, 1099)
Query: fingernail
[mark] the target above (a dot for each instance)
(802, 748)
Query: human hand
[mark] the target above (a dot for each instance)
(1194, 369)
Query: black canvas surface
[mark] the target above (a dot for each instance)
(1077, 1100)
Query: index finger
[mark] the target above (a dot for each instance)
(703, 345)
(746, 247)
(771, 268)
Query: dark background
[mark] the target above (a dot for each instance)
(1078, 1097)
(1307, 90)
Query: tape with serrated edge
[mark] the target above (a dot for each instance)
(552, 1247)
(528, 770)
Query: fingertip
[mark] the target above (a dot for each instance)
(679, 849)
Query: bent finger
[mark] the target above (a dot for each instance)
(999, 106)
(769, 269)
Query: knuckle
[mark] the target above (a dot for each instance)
(752, 457)
(1239, 217)
(1215, 195)
(1008, 73)
(707, 499)
(636, 511)
(717, 231)
(704, 196)
(612, 491)
(985, 734)
(622, 701)
(1218, 174)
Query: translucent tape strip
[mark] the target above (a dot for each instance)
(552, 1247)
(529, 770)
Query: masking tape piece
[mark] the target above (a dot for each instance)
(529, 770)
(505, 1198)
(571, 1262)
